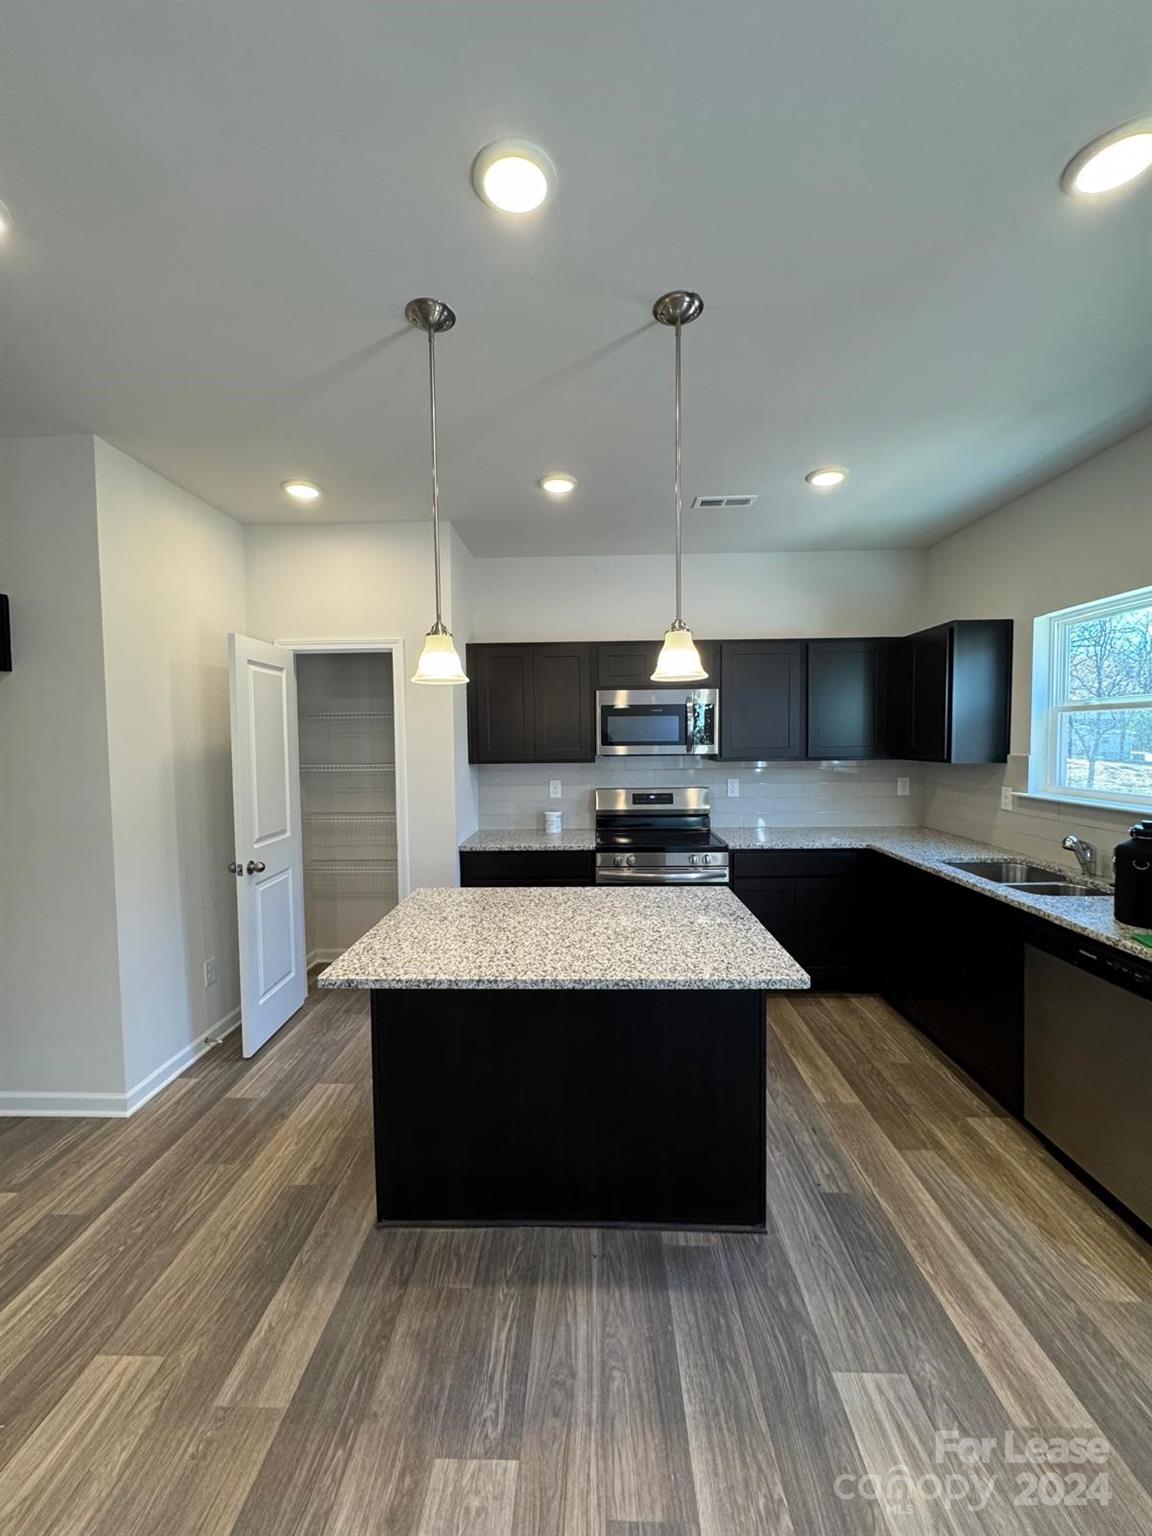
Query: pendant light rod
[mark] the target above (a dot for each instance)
(679, 487)
(439, 661)
(433, 316)
(678, 309)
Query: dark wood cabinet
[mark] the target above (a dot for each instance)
(956, 970)
(763, 703)
(845, 684)
(530, 703)
(949, 693)
(817, 905)
(564, 866)
(631, 663)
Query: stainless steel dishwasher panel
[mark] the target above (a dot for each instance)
(1088, 1074)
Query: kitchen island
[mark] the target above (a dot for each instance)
(569, 1055)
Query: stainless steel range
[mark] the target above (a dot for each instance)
(658, 837)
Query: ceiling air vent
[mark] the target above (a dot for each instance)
(723, 501)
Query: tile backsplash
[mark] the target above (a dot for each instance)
(771, 794)
(966, 801)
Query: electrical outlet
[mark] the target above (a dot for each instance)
(1007, 799)
(555, 789)
(903, 786)
(210, 972)
(733, 789)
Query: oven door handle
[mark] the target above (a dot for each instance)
(717, 875)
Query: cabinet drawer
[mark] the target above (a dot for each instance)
(563, 867)
(796, 863)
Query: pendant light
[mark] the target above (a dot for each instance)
(439, 661)
(679, 660)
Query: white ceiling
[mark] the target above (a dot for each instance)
(221, 208)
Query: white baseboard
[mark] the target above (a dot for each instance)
(118, 1106)
(323, 957)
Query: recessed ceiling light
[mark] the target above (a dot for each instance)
(827, 477)
(557, 484)
(5, 219)
(301, 490)
(513, 175)
(1110, 161)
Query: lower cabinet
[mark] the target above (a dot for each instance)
(569, 866)
(947, 958)
(964, 985)
(817, 905)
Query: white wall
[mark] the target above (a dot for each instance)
(872, 592)
(373, 581)
(60, 1035)
(463, 579)
(172, 581)
(1085, 535)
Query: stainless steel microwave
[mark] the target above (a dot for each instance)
(658, 722)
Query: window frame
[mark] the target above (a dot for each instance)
(1050, 702)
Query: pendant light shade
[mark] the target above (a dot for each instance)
(679, 660)
(439, 660)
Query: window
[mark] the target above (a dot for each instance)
(1092, 729)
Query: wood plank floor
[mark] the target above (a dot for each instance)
(203, 1334)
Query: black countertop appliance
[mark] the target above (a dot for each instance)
(1134, 877)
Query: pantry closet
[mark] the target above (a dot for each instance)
(348, 795)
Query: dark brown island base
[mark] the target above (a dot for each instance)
(569, 1056)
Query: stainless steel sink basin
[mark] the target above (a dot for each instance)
(1005, 871)
(1053, 887)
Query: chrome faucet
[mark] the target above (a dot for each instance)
(1085, 853)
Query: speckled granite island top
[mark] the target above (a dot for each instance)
(570, 938)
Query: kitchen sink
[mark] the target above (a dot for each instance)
(1004, 871)
(1019, 875)
(1053, 887)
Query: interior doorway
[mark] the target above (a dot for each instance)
(348, 796)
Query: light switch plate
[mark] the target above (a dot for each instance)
(555, 789)
(733, 789)
(903, 785)
(210, 973)
(1007, 799)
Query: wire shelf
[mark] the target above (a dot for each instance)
(347, 767)
(354, 835)
(349, 714)
(338, 879)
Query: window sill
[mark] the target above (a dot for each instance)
(1134, 808)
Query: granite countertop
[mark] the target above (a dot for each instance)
(920, 846)
(581, 840)
(570, 937)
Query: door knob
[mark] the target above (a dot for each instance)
(255, 867)
(235, 869)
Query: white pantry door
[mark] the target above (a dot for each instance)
(269, 867)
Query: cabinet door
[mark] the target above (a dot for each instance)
(919, 696)
(931, 695)
(844, 680)
(832, 943)
(773, 901)
(562, 703)
(500, 704)
(763, 707)
(562, 867)
(631, 663)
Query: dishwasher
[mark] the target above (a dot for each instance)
(1088, 1061)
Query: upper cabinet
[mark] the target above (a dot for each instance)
(940, 696)
(631, 663)
(530, 703)
(763, 702)
(949, 693)
(845, 698)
